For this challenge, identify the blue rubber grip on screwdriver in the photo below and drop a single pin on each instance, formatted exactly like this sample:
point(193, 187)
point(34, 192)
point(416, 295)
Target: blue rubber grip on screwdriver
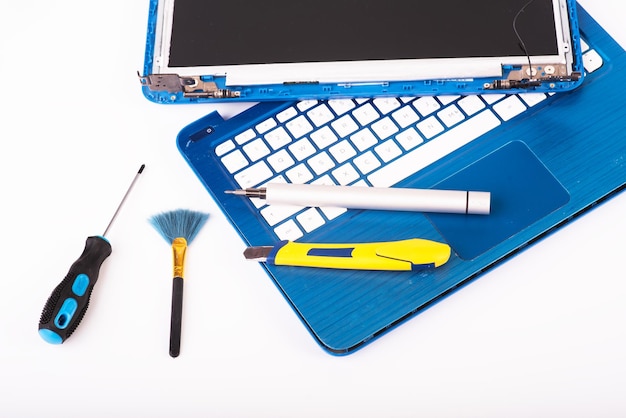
point(69, 301)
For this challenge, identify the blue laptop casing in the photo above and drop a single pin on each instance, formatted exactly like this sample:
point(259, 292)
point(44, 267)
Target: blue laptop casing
point(545, 167)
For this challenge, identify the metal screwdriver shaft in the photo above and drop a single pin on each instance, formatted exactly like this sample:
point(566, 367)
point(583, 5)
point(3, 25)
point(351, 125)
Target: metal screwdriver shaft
point(132, 184)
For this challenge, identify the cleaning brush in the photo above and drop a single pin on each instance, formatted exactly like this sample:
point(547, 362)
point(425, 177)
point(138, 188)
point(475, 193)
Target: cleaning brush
point(179, 228)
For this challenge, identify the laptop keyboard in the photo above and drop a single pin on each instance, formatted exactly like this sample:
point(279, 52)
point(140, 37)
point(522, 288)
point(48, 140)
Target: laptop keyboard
point(362, 142)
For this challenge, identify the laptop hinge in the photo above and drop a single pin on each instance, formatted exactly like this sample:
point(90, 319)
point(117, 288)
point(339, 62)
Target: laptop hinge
point(190, 86)
point(533, 76)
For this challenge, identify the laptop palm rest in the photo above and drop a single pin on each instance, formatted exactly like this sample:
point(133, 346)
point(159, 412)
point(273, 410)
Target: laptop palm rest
point(523, 191)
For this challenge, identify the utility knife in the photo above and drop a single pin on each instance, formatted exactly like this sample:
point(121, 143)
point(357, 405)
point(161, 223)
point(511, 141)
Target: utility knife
point(404, 255)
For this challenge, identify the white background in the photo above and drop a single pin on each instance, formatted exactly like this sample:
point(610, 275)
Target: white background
point(543, 335)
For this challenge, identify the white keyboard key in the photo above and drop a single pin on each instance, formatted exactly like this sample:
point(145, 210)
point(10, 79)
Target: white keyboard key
point(405, 116)
point(365, 114)
point(384, 128)
point(265, 126)
point(324, 180)
point(299, 126)
point(323, 137)
point(388, 150)
point(299, 174)
point(364, 139)
point(310, 219)
point(531, 99)
point(471, 104)
point(386, 104)
point(592, 61)
point(286, 114)
point(253, 175)
point(245, 136)
point(302, 149)
point(492, 98)
point(332, 213)
point(224, 147)
point(509, 107)
point(288, 231)
point(367, 162)
point(345, 174)
point(430, 127)
point(320, 115)
point(342, 151)
point(341, 106)
point(451, 115)
point(344, 126)
point(447, 99)
point(409, 139)
point(426, 105)
point(321, 163)
point(280, 161)
point(275, 214)
point(234, 161)
point(434, 150)
point(306, 104)
point(256, 149)
point(278, 138)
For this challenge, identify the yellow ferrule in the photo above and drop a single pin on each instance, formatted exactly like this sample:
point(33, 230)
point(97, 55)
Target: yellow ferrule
point(179, 248)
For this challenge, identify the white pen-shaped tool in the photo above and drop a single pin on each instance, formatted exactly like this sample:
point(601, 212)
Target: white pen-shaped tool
point(376, 198)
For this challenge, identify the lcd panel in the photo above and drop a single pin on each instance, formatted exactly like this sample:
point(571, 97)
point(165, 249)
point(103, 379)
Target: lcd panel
point(287, 31)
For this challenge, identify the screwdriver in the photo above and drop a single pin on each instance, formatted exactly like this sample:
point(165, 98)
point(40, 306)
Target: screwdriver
point(68, 302)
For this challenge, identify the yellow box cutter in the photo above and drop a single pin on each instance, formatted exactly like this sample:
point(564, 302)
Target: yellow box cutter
point(404, 255)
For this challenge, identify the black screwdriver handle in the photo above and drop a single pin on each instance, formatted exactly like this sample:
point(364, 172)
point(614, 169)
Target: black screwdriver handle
point(69, 301)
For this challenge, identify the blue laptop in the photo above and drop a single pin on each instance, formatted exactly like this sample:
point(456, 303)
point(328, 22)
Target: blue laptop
point(237, 50)
point(546, 158)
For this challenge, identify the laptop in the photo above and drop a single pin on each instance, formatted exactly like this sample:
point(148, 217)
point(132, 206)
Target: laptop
point(546, 159)
point(237, 50)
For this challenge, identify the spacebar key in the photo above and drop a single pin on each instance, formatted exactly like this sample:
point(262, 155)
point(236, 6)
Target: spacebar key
point(434, 150)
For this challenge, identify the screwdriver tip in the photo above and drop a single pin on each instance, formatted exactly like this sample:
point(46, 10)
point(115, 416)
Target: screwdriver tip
point(235, 192)
point(141, 168)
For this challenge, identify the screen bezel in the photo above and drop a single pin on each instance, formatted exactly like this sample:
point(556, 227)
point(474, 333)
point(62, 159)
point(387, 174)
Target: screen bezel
point(360, 71)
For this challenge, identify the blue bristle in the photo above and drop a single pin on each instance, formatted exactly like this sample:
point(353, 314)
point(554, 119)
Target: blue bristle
point(179, 223)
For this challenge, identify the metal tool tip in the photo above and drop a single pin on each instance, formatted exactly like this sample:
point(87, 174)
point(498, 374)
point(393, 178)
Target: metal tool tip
point(235, 192)
point(258, 253)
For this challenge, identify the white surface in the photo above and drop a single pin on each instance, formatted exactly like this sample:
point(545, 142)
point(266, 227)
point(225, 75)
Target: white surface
point(542, 335)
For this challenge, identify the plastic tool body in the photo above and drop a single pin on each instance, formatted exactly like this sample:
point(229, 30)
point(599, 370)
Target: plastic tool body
point(405, 255)
point(69, 301)
point(374, 198)
point(179, 250)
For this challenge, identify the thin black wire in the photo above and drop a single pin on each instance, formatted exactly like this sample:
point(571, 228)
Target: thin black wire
point(519, 38)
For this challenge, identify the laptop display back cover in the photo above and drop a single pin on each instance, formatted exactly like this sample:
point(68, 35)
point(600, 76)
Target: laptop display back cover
point(229, 50)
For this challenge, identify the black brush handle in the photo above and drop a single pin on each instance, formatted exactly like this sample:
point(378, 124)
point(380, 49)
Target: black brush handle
point(68, 302)
point(177, 316)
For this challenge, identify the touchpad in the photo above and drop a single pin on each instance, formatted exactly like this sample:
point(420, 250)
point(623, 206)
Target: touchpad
point(522, 190)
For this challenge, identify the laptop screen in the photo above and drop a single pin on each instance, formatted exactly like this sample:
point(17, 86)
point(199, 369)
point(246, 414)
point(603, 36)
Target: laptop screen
point(287, 31)
point(285, 49)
